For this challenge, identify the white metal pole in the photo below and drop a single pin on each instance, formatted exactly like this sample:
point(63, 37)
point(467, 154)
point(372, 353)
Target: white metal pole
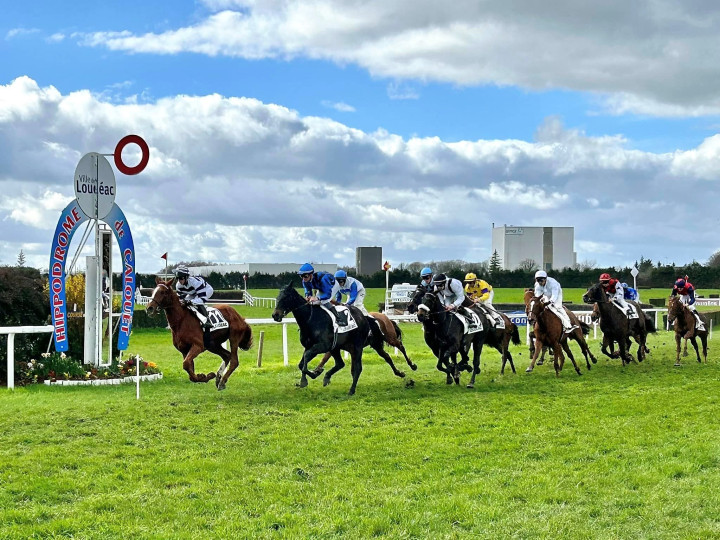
point(137, 382)
point(285, 344)
point(11, 362)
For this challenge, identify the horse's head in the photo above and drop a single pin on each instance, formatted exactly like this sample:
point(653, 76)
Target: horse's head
point(595, 294)
point(416, 299)
point(430, 304)
point(287, 300)
point(163, 296)
point(533, 307)
point(527, 298)
point(675, 307)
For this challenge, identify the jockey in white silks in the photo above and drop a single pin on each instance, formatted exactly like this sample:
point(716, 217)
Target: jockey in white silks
point(450, 292)
point(550, 292)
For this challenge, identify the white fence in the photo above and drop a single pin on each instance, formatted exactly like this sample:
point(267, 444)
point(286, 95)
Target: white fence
point(256, 301)
point(11, 331)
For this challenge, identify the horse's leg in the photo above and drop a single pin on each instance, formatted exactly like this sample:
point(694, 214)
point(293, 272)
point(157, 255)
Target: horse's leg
point(339, 364)
point(378, 348)
point(477, 350)
point(227, 361)
point(678, 347)
point(307, 356)
point(355, 367)
point(703, 340)
point(538, 347)
point(557, 356)
point(443, 361)
point(400, 347)
point(313, 374)
point(685, 353)
point(189, 365)
point(693, 340)
point(566, 347)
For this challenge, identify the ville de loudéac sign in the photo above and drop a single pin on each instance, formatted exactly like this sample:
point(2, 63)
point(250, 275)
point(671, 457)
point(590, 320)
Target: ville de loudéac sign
point(95, 185)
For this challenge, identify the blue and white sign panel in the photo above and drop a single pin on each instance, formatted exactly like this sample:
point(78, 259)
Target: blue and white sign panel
point(518, 318)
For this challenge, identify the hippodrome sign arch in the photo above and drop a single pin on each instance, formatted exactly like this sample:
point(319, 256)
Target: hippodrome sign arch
point(95, 199)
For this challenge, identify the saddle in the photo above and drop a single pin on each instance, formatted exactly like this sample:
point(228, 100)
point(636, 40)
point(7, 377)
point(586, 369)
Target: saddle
point(496, 320)
point(215, 317)
point(351, 322)
point(632, 313)
point(471, 321)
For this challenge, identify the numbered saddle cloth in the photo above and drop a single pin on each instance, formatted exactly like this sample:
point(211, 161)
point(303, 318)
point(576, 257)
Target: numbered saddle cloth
point(351, 323)
point(471, 321)
point(215, 317)
point(632, 313)
point(494, 317)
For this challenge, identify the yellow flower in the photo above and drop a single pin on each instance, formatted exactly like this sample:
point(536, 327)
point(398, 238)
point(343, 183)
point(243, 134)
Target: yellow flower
point(152, 364)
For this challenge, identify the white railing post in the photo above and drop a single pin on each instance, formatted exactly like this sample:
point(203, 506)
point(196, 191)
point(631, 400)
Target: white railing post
point(285, 344)
point(11, 361)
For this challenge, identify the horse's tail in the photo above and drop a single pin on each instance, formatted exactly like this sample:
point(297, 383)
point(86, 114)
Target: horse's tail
point(585, 327)
point(398, 332)
point(515, 336)
point(246, 340)
point(375, 328)
point(649, 324)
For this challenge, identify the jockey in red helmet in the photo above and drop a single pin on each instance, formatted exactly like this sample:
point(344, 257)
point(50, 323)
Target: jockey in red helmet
point(615, 292)
point(686, 291)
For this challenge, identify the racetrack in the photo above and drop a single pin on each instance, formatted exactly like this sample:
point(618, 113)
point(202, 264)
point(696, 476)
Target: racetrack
point(618, 452)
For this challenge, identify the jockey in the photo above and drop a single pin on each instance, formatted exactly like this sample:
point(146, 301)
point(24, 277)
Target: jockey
point(615, 292)
point(686, 291)
point(551, 292)
point(630, 293)
point(426, 280)
point(323, 283)
point(481, 292)
point(194, 290)
point(350, 286)
point(450, 292)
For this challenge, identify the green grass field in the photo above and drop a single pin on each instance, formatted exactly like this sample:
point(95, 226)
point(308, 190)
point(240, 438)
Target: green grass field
point(617, 453)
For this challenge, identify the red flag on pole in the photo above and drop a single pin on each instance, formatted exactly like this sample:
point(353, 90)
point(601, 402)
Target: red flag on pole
point(164, 256)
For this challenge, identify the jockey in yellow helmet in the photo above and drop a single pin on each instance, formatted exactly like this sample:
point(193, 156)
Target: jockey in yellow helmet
point(477, 289)
point(481, 292)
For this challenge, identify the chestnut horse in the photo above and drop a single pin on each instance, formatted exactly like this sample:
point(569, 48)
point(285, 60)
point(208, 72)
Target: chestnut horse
point(684, 323)
point(382, 330)
point(189, 339)
point(548, 331)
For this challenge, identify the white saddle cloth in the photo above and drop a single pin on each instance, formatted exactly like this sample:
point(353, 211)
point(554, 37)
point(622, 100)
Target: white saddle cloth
point(470, 327)
point(351, 325)
point(633, 309)
point(214, 316)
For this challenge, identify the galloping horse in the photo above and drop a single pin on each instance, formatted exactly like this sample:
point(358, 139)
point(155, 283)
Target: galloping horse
point(548, 330)
point(616, 326)
point(189, 339)
point(577, 334)
point(684, 322)
point(382, 330)
point(498, 338)
point(318, 336)
point(450, 337)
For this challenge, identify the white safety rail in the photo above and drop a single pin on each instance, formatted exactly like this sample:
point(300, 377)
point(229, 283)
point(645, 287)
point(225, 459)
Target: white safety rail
point(11, 331)
point(257, 301)
point(285, 324)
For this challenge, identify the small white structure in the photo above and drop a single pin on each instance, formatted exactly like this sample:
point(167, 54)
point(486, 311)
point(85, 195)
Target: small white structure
point(273, 269)
point(399, 297)
point(550, 247)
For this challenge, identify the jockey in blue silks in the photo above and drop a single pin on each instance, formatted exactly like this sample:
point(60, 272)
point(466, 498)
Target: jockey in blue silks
point(323, 283)
point(350, 286)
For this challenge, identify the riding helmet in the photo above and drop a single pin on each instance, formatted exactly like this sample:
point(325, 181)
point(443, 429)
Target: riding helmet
point(341, 274)
point(605, 277)
point(680, 283)
point(182, 272)
point(306, 268)
point(470, 277)
point(440, 279)
point(541, 274)
point(425, 272)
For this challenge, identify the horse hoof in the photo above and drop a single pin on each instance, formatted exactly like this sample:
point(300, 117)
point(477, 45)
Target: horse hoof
point(401, 374)
point(314, 373)
point(539, 363)
point(221, 387)
point(302, 384)
point(326, 381)
point(410, 383)
point(528, 370)
point(469, 385)
point(351, 392)
point(677, 364)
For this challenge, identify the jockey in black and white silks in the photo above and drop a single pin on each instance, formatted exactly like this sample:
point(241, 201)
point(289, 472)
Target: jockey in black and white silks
point(194, 290)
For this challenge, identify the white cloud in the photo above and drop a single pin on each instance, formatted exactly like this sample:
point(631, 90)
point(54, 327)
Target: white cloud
point(338, 106)
point(640, 57)
point(17, 32)
point(235, 179)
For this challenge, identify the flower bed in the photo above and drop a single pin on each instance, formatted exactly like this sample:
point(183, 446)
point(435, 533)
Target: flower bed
point(59, 369)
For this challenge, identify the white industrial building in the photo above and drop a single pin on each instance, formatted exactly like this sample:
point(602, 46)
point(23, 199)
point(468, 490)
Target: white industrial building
point(250, 269)
point(549, 247)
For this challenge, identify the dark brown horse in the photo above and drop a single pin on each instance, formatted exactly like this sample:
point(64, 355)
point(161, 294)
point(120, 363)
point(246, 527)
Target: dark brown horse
point(684, 325)
point(382, 331)
point(616, 326)
point(188, 335)
point(548, 330)
point(539, 344)
point(500, 338)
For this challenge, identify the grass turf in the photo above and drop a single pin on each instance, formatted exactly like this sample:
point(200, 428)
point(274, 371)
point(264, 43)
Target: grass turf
point(616, 453)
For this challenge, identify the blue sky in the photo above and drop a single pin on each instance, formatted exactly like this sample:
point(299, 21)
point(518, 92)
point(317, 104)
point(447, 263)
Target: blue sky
point(411, 122)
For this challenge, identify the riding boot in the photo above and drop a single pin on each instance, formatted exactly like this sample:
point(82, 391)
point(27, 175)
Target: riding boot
point(339, 317)
point(207, 325)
